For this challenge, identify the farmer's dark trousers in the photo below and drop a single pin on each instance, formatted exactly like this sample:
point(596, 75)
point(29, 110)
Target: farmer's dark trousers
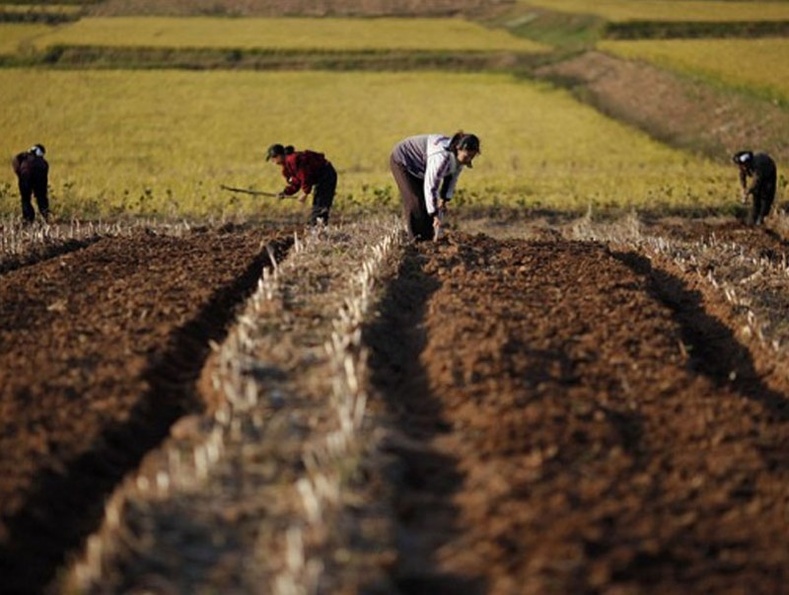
point(419, 222)
point(763, 197)
point(323, 194)
point(28, 187)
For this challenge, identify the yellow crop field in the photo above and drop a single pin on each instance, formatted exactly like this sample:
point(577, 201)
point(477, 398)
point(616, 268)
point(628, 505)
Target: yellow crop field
point(671, 10)
point(761, 64)
point(332, 34)
point(14, 36)
point(162, 142)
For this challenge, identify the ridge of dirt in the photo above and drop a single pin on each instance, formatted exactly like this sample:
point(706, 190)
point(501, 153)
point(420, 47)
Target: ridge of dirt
point(239, 521)
point(11, 263)
point(675, 109)
point(99, 351)
point(573, 446)
point(278, 8)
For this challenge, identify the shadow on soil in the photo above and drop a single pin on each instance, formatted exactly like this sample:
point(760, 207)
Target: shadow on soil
point(423, 480)
point(716, 352)
point(66, 507)
point(12, 263)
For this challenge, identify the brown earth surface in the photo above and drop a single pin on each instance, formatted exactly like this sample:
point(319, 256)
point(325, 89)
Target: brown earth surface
point(581, 420)
point(100, 345)
point(564, 414)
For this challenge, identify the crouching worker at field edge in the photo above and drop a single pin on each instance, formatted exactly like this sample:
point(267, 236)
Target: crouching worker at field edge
point(32, 172)
point(426, 168)
point(761, 169)
point(308, 171)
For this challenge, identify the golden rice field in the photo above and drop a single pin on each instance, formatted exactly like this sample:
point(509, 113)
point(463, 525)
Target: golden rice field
point(671, 10)
point(16, 36)
point(330, 34)
point(760, 64)
point(162, 142)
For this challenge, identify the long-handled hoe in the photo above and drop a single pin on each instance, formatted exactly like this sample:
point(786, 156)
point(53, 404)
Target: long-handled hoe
point(252, 192)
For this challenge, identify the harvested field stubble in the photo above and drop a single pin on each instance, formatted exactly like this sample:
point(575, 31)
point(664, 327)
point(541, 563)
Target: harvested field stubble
point(581, 411)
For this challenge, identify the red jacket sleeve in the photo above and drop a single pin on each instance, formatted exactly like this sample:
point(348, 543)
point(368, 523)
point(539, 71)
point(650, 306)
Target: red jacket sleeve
point(289, 172)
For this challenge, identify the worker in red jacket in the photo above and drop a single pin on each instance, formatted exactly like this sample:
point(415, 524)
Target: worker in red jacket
point(309, 172)
point(32, 172)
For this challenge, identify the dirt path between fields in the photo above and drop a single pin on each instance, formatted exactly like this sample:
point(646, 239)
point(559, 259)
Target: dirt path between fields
point(675, 109)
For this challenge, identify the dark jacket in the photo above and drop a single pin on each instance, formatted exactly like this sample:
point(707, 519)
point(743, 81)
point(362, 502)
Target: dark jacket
point(30, 168)
point(762, 170)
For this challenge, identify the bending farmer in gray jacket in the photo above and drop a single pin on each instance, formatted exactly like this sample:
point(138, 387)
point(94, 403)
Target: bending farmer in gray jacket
point(426, 168)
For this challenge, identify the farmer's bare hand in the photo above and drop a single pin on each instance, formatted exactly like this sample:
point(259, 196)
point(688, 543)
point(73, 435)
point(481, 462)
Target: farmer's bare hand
point(437, 229)
point(303, 198)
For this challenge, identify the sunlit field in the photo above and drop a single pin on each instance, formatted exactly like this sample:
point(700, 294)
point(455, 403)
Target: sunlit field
point(672, 10)
point(163, 142)
point(14, 36)
point(289, 34)
point(758, 64)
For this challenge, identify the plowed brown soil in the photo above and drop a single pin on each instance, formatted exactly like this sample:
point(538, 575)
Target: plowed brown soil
point(570, 416)
point(100, 348)
point(571, 427)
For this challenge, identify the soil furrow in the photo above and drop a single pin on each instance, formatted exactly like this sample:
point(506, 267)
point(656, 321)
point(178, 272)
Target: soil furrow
point(592, 453)
point(552, 415)
point(100, 352)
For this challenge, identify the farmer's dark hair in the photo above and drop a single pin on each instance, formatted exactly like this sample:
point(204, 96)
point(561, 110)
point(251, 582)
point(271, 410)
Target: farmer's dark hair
point(277, 150)
point(461, 140)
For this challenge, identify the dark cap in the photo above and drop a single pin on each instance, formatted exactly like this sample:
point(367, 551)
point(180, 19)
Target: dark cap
point(274, 151)
point(742, 157)
point(38, 149)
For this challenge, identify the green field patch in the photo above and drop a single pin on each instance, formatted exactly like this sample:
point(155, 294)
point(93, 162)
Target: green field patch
point(759, 66)
point(672, 10)
point(328, 34)
point(162, 142)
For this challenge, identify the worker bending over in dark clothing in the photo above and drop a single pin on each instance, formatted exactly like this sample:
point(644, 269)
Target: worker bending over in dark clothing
point(761, 170)
point(32, 172)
